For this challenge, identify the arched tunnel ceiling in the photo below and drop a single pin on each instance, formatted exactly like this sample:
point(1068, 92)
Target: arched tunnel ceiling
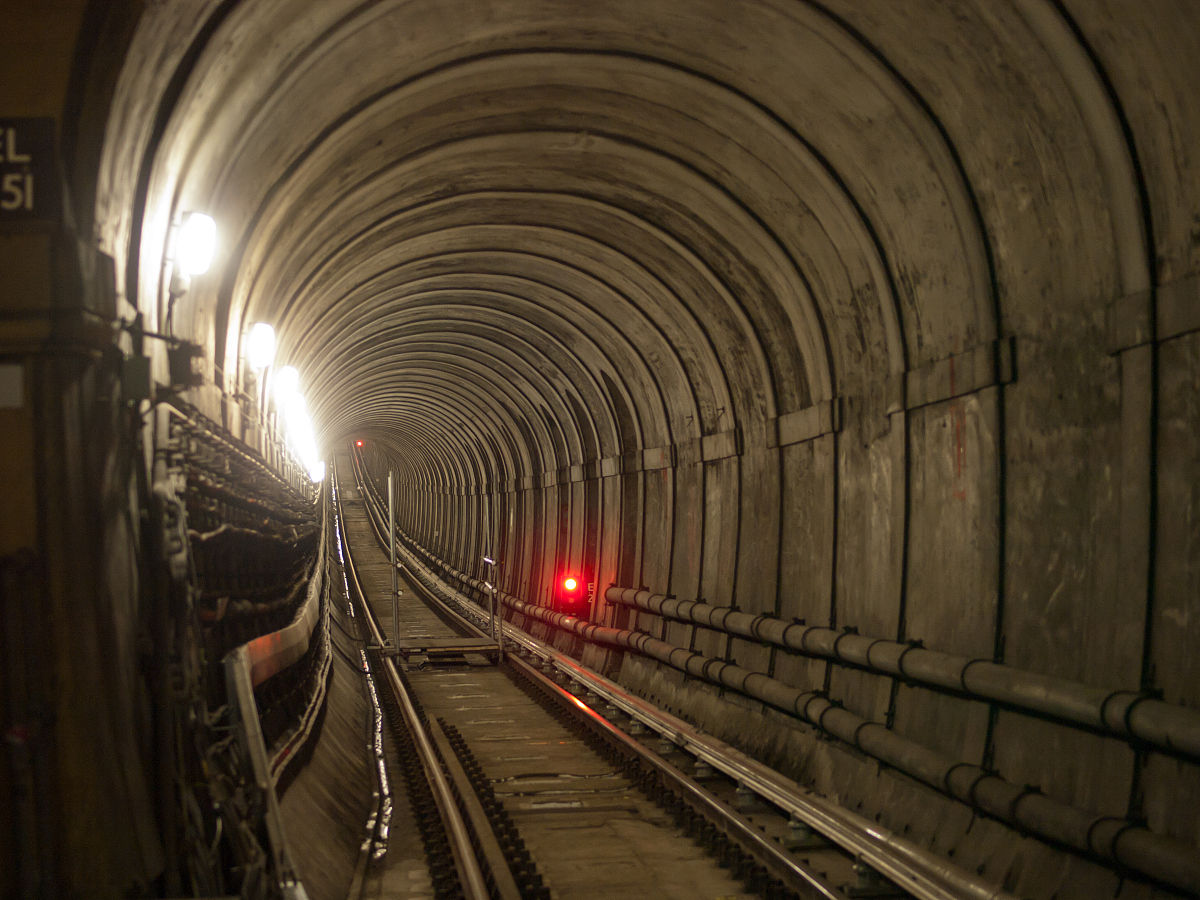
point(677, 289)
point(524, 235)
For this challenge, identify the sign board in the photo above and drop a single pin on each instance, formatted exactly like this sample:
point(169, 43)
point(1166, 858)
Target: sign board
point(29, 189)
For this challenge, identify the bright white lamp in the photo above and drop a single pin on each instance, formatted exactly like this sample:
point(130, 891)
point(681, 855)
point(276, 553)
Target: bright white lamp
point(300, 436)
point(260, 346)
point(195, 244)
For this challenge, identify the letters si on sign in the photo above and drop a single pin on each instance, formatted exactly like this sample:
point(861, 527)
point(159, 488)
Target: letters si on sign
point(28, 170)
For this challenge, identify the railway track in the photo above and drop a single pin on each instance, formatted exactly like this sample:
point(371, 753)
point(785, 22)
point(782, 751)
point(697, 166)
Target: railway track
point(530, 776)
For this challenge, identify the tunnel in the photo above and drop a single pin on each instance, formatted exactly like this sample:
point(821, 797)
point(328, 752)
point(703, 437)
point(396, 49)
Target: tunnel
point(847, 352)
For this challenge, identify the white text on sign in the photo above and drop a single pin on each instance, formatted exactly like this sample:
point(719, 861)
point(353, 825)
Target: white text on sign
point(8, 147)
point(29, 189)
point(16, 188)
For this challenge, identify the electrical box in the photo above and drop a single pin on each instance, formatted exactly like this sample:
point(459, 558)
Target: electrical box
point(135, 378)
point(183, 362)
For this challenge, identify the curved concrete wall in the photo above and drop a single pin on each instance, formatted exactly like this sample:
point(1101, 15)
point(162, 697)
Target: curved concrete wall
point(878, 315)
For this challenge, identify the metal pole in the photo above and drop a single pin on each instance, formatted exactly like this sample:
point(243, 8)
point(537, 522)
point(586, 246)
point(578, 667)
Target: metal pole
point(391, 490)
point(488, 575)
point(493, 526)
point(490, 582)
point(498, 631)
point(491, 575)
point(492, 604)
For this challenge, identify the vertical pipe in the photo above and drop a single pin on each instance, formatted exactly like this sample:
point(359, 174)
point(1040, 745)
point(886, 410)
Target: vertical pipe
point(391, 490)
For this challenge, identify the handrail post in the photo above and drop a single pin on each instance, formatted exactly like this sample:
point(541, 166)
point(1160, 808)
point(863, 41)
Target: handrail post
point(490, 584)
point(391, 490)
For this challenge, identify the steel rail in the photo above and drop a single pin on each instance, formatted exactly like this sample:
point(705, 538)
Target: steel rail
point(766, 852)
point(908, 865)
point(471, 876)
point(372, 504)
point(1127, 843)
point(488, 847)
point(771, 855)
point(901, 861)
point(918, 871)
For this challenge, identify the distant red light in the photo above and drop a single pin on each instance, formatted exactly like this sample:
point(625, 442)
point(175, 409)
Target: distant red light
point(570, 584)
point(358, 443)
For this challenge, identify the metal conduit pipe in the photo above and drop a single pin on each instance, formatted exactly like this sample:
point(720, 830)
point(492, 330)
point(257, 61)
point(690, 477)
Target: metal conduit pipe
point(1115, 839)
point(1120, 713)
point(841, 825)
point(1110, 838)
point(471, 876)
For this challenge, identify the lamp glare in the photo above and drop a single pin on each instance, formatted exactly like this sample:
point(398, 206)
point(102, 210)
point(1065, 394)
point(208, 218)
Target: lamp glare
point(260, 346)
point(196, 244)
point(287, 382)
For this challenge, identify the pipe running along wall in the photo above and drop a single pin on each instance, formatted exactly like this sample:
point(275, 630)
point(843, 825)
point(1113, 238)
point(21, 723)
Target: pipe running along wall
point(1110, 838)
point(1126, 714)
point(1114, 839)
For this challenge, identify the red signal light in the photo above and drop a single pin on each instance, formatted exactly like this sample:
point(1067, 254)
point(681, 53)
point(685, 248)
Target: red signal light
point(358, 443)
point(569, 595)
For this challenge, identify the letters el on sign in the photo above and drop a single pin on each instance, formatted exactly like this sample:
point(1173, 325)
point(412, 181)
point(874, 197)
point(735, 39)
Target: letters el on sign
point(29, 187)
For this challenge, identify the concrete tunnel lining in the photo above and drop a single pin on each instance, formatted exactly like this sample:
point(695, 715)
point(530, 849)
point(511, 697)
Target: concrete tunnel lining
point(543, 284)
point(534, 385)
point(529, 237)
point(837, 311)
point(505, 297)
